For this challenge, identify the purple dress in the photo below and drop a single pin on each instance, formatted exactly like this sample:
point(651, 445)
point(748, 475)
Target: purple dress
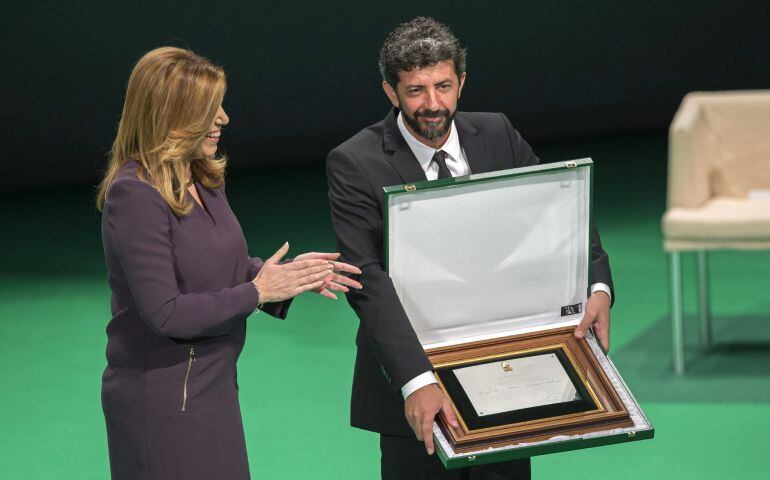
point(181, 292)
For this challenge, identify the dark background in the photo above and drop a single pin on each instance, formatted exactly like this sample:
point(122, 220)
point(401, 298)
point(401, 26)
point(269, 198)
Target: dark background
point(303, 75)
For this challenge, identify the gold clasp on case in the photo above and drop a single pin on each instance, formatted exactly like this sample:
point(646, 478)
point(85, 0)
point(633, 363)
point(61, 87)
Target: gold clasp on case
point(631, 434)
point(410, 188)
point(472, 458)
point(571, 164)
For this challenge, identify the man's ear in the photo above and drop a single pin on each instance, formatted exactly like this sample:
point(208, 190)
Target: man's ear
point(390, 93)
point(462, 82)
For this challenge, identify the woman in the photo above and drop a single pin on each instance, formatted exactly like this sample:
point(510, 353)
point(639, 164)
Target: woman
point(182, 282)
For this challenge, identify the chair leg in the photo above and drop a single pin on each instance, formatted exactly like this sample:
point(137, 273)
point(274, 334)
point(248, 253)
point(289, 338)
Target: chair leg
point(704, 311)
point(677, 321)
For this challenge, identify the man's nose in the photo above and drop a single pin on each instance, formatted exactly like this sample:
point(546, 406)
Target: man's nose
point(432, 102)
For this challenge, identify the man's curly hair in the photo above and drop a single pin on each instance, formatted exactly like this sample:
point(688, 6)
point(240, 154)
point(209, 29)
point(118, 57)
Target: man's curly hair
point(419, 43)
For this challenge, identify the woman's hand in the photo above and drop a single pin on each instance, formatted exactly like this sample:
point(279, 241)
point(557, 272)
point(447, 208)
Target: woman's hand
point(335, 281)
point(276, 282)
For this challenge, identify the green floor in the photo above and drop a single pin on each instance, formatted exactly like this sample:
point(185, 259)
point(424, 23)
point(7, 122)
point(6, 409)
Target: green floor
point(295, 375)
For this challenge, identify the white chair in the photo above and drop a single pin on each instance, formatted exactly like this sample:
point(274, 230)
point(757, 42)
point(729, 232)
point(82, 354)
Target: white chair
point(718, 190)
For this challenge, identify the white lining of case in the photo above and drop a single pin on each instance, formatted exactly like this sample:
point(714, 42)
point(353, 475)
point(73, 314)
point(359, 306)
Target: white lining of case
point(541, 226)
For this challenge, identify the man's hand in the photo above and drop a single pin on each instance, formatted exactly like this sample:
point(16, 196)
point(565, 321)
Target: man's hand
point(421, 408)
point(597, 313)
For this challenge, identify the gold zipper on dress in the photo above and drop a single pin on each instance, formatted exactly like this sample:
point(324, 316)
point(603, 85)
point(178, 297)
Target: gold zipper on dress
point(190, 361)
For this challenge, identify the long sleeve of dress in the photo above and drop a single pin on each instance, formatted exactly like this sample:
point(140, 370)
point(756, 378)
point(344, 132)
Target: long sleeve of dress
point(138, 228)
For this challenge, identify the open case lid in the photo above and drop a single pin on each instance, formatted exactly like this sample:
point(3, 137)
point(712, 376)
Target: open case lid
point(485, 255)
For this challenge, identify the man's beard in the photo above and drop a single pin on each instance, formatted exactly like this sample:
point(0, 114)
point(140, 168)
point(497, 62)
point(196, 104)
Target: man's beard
point(431, 130)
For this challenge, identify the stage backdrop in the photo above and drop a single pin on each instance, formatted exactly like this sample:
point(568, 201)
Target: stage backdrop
point(303, 75)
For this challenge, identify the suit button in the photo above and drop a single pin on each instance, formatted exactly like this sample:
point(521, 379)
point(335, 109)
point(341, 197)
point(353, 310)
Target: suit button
point(385, 373)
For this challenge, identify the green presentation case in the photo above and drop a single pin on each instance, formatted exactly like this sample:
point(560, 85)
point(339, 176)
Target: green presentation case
point(497, 254)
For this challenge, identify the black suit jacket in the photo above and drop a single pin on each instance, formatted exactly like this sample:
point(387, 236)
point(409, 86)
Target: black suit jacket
point(389, 354)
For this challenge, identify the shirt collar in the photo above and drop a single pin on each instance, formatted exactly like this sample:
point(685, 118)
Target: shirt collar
point(424, 153)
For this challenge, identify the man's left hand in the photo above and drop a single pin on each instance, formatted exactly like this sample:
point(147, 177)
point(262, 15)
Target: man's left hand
point(597, 314)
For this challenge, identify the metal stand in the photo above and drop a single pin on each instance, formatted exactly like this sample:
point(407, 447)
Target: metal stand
point(704, 310)
point(677, 321)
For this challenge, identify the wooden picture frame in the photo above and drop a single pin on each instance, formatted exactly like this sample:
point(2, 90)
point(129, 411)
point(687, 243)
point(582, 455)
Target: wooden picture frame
point(609, 411)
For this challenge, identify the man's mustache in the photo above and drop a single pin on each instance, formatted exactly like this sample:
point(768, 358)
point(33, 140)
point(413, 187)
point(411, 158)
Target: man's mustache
point(431, 113)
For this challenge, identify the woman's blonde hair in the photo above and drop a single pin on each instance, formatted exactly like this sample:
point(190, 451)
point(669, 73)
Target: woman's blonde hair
point(172, 98)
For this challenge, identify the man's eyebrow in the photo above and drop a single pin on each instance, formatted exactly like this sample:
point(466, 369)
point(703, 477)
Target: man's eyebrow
point(440, 82)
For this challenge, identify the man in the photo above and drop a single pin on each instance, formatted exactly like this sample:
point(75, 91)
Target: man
point(422, 138)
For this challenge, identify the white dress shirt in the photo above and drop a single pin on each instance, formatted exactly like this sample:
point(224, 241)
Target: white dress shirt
point(457, 163)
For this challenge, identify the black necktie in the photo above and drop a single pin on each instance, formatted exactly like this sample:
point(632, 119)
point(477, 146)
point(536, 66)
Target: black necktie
point(440, 159)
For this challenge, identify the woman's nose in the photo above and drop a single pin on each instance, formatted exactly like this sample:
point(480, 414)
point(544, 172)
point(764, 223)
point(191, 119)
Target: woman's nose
point(222, 118)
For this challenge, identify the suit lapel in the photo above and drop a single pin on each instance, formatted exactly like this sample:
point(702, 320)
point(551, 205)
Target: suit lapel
point(473, 145)
point(401, 156)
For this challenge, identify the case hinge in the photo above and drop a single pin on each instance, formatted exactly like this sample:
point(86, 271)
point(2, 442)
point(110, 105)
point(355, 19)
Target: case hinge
point(571, 164)
point(410, 188)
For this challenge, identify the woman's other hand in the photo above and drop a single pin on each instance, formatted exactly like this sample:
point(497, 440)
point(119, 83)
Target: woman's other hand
point(276, 282)
point(335, 281)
